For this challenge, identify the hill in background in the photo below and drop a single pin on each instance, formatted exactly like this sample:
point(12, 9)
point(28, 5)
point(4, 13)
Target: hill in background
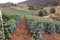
point(42, 2)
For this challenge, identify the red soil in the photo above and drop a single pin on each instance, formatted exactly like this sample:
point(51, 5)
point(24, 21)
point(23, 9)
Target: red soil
point(55, 36)
point(56, 18)
point(21, 32)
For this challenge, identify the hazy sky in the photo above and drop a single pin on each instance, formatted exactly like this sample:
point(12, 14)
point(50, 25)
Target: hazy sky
point(14, 1)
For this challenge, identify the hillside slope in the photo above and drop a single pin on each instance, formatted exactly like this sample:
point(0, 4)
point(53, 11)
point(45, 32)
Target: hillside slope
point(42, 2)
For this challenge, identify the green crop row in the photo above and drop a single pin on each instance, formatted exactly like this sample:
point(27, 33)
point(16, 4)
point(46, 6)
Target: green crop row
point(12, 18)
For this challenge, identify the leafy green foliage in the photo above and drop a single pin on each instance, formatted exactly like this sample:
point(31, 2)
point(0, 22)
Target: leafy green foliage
point(43, 13)
point(52, 10)
point(1, 34)
point(13, 17)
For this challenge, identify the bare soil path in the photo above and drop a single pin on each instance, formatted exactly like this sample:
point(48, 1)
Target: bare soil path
point(21, 32)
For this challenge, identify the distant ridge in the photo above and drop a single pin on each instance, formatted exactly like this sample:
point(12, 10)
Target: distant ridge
point(41, 2)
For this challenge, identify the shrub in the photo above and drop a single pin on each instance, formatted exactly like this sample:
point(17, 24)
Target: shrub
point(43, 13)
point(52, 10)
point(31, 7)
point(40, 13)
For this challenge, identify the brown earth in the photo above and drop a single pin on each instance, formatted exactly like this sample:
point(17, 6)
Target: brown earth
point(21, 32)
point(56, 18)
point(55, 36)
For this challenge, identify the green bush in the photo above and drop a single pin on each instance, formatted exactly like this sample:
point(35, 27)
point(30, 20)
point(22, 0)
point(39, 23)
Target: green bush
point(1, 34)
point(43, 13)
point(52, 10)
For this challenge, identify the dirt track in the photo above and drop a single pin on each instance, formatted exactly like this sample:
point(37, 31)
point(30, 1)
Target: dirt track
point(21, 32)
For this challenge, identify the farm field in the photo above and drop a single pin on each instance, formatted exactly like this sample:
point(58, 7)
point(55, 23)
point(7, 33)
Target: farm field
point(40, 28)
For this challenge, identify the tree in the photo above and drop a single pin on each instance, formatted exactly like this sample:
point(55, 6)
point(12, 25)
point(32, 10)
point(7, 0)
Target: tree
point(40, 13)
point(31, 7)
point(52, 10)
point(54, 3)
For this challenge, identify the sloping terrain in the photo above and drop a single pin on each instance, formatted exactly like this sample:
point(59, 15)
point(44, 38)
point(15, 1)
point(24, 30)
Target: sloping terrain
point(34, 24)
point(42, 2)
